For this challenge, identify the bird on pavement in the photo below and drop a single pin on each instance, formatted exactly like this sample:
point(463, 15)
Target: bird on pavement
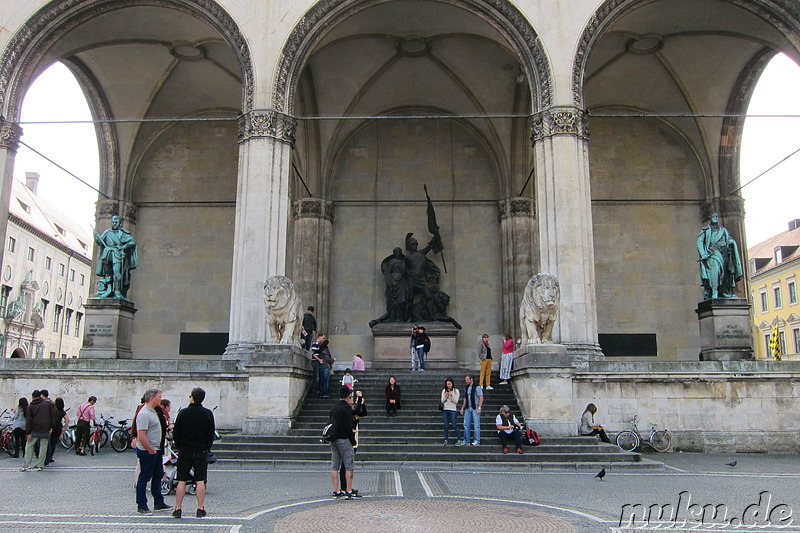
point(601, 474)
point(731, 464)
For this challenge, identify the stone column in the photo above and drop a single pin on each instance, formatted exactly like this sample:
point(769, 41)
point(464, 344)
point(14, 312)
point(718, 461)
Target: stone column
point(262, 217)
point(10, 133)
point(563, 198)
point(520, 248)
point(313, 230)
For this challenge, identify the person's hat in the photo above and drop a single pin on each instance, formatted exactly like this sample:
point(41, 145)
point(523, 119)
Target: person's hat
point(344, 392)
point(311, 308)
point(422, 328)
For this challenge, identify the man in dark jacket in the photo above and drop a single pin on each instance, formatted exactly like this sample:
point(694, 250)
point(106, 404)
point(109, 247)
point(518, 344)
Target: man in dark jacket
point(309, 327)
point(342, 443)
point(39, 422)
point(193, 435)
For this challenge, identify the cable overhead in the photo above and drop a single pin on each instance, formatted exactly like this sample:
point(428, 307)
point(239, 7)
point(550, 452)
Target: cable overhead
point(40, 154)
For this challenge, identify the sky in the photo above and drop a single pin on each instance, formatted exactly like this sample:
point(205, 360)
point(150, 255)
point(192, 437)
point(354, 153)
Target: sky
point(770, 202)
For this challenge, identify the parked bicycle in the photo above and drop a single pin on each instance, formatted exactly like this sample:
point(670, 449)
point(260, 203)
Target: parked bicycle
point(120, 436)
point(630, 439)
point(6, 433)
point(99, 436)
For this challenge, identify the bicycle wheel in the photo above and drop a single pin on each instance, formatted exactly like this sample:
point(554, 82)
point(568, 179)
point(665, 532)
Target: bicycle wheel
point(167, 485)
point(66, 440)
point(8, 442)
point(661, 440)
point(119, 440)
point(102, 440)
point(628, 440)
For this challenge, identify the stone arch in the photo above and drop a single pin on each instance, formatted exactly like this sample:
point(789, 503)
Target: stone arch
point(18, 353)
point(325, 14)
point(20, 59)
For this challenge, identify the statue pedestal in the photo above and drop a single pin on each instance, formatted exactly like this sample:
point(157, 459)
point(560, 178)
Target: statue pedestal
point(392, 347)
point(108, 329)
point(542, 377)
point(725, 329)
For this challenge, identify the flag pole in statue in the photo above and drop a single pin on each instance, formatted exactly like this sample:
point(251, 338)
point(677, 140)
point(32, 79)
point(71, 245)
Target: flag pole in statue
point(433, 228)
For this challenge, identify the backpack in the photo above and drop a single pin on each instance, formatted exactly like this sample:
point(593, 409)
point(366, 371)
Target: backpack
point(531, 437)
point(328, 432)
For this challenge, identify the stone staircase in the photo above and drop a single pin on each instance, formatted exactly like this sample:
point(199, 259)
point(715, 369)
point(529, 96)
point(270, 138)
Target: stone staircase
point(415, 434)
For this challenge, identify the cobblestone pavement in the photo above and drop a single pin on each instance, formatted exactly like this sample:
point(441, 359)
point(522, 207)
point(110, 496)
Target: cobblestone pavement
point(91, 494)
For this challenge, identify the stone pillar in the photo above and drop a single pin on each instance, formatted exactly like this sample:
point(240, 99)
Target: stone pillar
point(520, 250)
point(542, 378)
point(313, 230)
point(262, 217)
point(108, 329)
point(10, 133)
point(563, 199)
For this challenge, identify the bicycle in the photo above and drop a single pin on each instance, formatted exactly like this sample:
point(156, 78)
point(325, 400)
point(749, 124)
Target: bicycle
point(630, 439)
point(6, 434)
point(121, 436)
point(99, 436)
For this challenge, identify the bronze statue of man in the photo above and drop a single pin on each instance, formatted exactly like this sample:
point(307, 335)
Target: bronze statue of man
point(118, 258)
point(720, 265)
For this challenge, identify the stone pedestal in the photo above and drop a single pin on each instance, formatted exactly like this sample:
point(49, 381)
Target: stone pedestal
point(108, 329)
point(393, 345)
point(725, 329)
point(542, 379)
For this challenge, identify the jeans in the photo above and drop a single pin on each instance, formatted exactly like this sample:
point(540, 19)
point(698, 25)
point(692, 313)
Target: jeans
point(450, 417)
point(152, 470)
point(51, 448)
point(421, 356)
point(315, 376)
point(324, 380)
point(472, 418)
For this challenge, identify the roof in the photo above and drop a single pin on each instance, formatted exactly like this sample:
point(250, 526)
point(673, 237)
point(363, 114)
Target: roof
point(763, 253)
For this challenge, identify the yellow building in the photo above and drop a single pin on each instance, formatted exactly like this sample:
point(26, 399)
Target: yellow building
point(775, 274)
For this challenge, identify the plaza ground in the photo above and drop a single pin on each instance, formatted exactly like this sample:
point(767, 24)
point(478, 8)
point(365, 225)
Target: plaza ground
point(78, 494)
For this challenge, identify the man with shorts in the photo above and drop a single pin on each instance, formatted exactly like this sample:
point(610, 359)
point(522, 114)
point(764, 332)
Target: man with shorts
point(193, 436)
point(342, 444)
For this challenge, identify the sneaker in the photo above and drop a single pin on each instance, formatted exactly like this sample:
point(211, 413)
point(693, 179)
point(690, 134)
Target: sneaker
point(519, 451)
point(504, 383)
point(352, 494)
point(355, 491)
point(490, 388)
point(144, 510)
point(459, 443)
point(446, 443)
point(176, 513)
point(422, 370)
point(24, 469)
point(161, 507)
point(339, 494)
point(473, 443)
point(38, 469)
point(505, 450)
point(201, 513)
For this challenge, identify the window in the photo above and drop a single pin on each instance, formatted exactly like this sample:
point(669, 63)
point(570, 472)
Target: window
point(764, 306)
point(78, 318)
point(792, 289)
point(778, 300)
point(83, 280)
point(45, 303)
point(782, 339)
point(52, 355)
point(767, 347)
point(61, 230)
point(796, 339)
point(48, 263)
point(31, 253)
point(72, 274)
point(67, 318)
point(25, 207)
point(61, 269)
point(5, 291)
point(57, 318)
point(83, 244)
point(12, 244)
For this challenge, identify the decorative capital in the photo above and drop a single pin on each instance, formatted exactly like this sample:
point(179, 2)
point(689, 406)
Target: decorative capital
point(10, 132)
point(110, 208)
point(517, 206)
point(563, 120)
point(313, 208)
point(267, 123)
point(724, 206)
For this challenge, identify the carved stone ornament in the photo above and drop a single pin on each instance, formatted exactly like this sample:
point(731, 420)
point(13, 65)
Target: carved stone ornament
point(313, 208)
point(284, 310)
point(518, 206)
point(559, 121)
point(9, 135)
point(267, 123)
point(325, 14)
point(25, 49)
point(110, 208)
point(537, 313)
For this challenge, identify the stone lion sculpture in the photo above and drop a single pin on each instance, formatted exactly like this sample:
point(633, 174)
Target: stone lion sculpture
point(537, 314)
point(283, 310)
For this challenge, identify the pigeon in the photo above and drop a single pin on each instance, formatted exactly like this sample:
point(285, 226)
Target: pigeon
point(731, 464)
point(601, 474)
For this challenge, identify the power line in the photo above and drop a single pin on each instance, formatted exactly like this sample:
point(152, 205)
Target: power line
point(40, 154)
point(770, 168)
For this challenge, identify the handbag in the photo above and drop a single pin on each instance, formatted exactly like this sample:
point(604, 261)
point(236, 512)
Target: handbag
point(441, 406)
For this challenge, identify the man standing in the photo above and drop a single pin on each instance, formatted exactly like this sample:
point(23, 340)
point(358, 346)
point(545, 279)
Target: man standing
point(342, 443)
point(150, 433)
point(193, 435)
point(39, 422)
point(82, 428)
point(413, 346)
point(485, 356)
point(316, 363)
point(471, 410)
point(422, 345)
point(309, 327)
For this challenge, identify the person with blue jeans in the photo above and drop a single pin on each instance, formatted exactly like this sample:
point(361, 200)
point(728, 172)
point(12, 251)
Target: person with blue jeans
point(324, 368)
point(471, 409)
point(150, 430)
point(449, 399)
point(422, 345)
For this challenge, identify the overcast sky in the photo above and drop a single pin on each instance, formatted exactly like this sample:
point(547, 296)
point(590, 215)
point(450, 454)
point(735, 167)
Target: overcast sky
point(770, 202)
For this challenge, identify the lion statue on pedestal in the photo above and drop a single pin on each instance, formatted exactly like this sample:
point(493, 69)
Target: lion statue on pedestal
point(284, 310)
point(537, 314)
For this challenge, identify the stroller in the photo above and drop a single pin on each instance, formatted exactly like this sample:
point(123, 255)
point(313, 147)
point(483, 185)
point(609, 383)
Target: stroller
point(169, 483)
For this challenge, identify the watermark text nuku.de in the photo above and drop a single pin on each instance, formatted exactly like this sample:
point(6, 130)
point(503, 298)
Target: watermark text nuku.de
point(687, 515)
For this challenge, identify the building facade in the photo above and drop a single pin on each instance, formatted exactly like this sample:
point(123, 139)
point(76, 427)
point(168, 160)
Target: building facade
point(241, 139)
point(775, 268)
point(46, 272)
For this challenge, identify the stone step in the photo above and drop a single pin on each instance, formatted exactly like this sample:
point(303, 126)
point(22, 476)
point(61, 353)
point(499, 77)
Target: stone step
point(433, 447)
point(393, 435)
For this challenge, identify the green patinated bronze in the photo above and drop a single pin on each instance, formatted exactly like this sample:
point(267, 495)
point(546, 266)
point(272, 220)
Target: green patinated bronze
point(118, 258)
point(720, 265)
